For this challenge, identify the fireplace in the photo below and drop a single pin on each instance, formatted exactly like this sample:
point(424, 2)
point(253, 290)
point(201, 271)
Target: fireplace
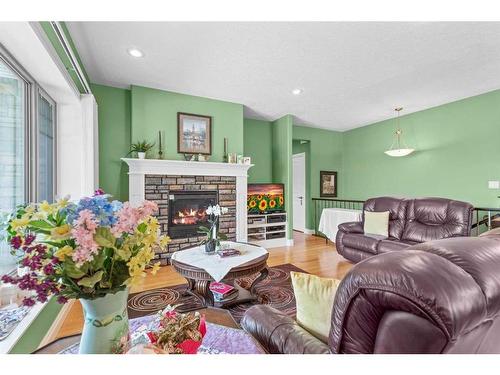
point(187, 212)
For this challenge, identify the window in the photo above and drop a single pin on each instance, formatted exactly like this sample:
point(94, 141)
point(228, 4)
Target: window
point(27, 145)
point(13, 126)
point(46, 148)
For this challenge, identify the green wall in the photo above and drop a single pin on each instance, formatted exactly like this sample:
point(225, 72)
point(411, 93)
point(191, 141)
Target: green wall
point(282, 160)
point(258, 144)
point(156, 110)
point(326, 148)
point(114, 138)
point(457, 152)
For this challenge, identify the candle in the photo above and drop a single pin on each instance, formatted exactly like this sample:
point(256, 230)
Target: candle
point(225, 151)
point(160, 153)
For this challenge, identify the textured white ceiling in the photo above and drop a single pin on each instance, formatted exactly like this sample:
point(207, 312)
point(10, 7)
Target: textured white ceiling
point(352, 73)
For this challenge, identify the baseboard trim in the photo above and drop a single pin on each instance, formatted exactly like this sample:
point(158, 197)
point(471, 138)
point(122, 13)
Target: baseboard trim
point(309, 231)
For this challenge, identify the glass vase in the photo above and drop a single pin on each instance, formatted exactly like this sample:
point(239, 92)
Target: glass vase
point(210, 246)
point(105, 330)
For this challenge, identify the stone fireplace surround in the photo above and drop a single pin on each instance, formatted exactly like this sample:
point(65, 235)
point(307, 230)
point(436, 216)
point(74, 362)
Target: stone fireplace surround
point(155, 180)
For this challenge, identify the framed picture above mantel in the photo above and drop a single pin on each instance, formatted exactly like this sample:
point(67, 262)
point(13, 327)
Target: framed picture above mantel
point(194, 134)
point(328, 184)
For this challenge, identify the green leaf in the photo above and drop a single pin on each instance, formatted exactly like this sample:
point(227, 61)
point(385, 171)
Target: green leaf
point(54, 244)
point(222, 236)
point(104, 238)
point(120, 274)
point(98, 261)
point(71, 270)
point(142, 227)
point(90, 281)
point(41, 224)
point(124, 254)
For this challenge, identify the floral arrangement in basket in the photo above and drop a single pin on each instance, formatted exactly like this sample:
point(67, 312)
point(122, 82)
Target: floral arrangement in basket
point(85, 249)
point(174, 333)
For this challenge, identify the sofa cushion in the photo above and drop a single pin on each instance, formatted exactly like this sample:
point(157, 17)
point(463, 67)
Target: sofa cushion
point(397, 212)
point(388, 245)
point(431, 219)
point(361, 242)
point(376, 223)
point(314, 298)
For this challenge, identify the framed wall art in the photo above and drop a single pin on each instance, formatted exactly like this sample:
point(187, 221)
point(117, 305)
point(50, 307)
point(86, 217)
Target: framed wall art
point(194, 134)
point(328, 184)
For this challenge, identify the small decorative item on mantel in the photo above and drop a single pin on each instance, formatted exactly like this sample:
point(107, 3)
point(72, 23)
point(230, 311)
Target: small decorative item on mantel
point(213, 237)
point(202, 157)
point(232, 158)
point(92, 250)
point(224, 158)
point(172, 333)
point(160, 151)
point(141, 148)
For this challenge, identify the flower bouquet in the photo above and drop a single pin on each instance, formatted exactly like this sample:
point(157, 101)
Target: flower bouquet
point(174, 333)
point(212, 241)
point(92, 250)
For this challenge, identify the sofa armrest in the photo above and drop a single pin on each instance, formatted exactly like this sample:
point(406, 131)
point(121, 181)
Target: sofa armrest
point(352, 227)
point(278, 333)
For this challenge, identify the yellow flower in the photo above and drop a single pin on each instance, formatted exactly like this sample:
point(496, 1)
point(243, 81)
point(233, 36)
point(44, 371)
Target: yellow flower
point(63, 202)
point(155, 268)
point(47, 208)
point(164, 241)
point(63, 252)
point(61, 233)
point(39, 216)
point(19, 223)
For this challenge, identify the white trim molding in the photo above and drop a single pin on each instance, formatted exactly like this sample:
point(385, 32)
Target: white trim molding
point(139, 168)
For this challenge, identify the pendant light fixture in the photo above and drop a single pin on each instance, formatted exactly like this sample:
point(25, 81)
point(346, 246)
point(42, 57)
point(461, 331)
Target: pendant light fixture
point(398, 146)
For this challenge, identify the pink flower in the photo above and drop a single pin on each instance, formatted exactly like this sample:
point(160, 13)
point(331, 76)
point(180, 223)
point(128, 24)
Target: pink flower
point(129, 217)
point(83, 232)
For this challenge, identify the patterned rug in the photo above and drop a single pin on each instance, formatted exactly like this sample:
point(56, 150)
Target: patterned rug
point(276, 290)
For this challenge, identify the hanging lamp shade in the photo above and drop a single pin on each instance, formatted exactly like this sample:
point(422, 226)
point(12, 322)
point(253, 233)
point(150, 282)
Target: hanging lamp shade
point(398, 147)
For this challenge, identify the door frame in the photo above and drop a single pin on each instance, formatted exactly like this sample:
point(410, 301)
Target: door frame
point(303, 156)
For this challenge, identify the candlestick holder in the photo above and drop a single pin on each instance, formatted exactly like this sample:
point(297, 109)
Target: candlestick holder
point(225, 156)
point(160, 152)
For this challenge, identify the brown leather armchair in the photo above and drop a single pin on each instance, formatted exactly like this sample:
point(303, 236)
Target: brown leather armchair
point(411, 221)
point(436, 297)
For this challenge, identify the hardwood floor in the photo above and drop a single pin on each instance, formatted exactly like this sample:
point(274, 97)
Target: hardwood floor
point(310, 253)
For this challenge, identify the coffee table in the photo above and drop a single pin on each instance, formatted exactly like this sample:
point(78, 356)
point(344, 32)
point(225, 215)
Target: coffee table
point(213, 315)
point(199, 280)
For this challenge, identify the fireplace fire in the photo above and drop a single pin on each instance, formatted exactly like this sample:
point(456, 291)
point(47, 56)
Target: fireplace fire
point(187, 212)
point(189, 216)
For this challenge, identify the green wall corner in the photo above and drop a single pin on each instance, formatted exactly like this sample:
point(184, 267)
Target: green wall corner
point(282, 161)
point(258, 144)
point(114, 138)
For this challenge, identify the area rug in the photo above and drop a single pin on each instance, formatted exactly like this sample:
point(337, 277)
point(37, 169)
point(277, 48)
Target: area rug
point(275, 290)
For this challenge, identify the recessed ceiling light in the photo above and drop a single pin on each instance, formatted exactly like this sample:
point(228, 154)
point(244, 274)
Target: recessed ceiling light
point(297, 91)
point(134, 52)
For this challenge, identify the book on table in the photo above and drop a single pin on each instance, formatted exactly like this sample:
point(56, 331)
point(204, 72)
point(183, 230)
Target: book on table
point(222, 291)
point(228, 252)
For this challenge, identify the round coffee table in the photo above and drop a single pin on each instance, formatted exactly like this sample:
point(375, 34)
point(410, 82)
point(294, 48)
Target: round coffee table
point(199, 280)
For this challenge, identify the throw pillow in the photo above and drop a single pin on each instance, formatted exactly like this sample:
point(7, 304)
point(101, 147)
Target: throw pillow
point(376, 223)
point(314, 298)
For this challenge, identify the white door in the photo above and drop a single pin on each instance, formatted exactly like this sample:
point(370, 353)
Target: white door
point(299, 192)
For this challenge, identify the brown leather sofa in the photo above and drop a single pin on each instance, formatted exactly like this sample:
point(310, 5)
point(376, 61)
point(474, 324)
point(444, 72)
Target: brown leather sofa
point(436, 297)
point(411, 221)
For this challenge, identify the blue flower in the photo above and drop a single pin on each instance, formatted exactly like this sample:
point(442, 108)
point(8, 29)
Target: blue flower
point(103, 210)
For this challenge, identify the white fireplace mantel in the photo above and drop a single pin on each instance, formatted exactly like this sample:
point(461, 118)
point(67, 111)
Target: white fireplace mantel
point(139, 168)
